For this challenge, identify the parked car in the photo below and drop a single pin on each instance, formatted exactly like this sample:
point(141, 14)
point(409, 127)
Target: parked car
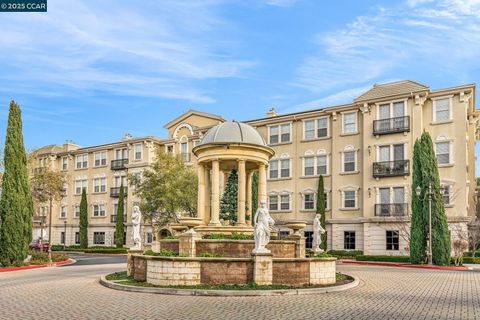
point(35, 244)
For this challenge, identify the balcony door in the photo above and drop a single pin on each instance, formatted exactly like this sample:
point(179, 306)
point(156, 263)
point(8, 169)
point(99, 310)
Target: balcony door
point(121, 154)
point(384, 114)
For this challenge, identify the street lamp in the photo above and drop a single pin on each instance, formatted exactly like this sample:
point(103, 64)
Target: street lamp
point(429, 193)
point(64, 233)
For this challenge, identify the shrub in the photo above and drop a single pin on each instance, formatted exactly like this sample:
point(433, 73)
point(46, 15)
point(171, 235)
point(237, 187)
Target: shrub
point(215, 236)
point(471, 260)
point(162, 253)
point(39, 257)
point(241, 236)
point(105, 250)
point(323, 255)
point(404, 259)
point(210, 255)
point(170, 238)
point(346, 253)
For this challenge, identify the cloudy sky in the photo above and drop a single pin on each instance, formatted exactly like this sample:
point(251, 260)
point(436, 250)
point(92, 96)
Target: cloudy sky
point(91, 71)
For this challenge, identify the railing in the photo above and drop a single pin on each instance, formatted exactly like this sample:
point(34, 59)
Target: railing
point(115, 192)
point(391, 209)
point(37, 219)
point(119, 164)
point(39, 170)
point(113, 218)
point(391, 125)
point(391, 168)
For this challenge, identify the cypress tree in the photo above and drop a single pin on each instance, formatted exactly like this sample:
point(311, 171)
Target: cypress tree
point(84, 220)
point(321, 211)
point(119, 229)
point(419, 220)
point(16, 204)
point(254, 195)
point(441, 245)
point(228, 204)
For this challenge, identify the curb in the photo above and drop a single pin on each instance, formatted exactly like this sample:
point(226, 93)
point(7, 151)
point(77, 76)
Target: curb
point(228, 293)
point(403, 265)
point(60, 263)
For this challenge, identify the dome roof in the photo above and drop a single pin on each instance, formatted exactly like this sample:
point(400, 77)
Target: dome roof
point(233, 132)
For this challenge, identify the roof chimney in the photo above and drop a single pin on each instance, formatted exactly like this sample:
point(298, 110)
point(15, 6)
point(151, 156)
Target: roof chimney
point(70, 145)
point(272, 112)
point(127, 136)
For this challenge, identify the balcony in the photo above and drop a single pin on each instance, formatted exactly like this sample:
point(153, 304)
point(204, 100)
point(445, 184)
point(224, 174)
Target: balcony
point(391, 125)
point(391, 168)
point(120, 164)
point(39, 219)
point(113, 218)
point(391, 210)
point(39, 170)
point(115, 192)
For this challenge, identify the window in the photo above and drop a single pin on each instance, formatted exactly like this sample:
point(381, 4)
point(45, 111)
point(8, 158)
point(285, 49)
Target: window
point(309, 168)
point(99, 210)
point(119, 180)
point(185, 154)
point(99, 238)
point(170, 149)
point(80, 185)
point(284, 169)
point(63, 212)
point(100, 159)
point(273, 200)
point(393, 240)
point(115, 209)
point(283, 234)
point(62, 237)
point(65, 189)
point(321, 165)
point(138, 151)
point(99, 185)
point(285, 202)
point(349, 240)
point(349, 199)
point(350, 122)
point(77, 211)
point(308, 239)
point(121, 154)
point(149, 237)
point(327, 203)
point(77, 237)
point(65, 163)
point(314, 129)
point(81, 161)
point(446, 195)
point(441, 109)
point(309, 201)
point(124, 238)
point(443, 152)
point(349, 161)
point(279, 133)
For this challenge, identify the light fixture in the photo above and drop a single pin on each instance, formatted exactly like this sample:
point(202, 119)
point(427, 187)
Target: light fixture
point(418, 190)
point(369, 192)
point(369, 150)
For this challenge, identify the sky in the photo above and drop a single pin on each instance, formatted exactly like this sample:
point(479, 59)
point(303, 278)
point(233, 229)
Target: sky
point(92, 71)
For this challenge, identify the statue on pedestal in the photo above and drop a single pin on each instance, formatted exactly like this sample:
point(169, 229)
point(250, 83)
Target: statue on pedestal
point(136, 220)
point(263, 221)
point(317, 232)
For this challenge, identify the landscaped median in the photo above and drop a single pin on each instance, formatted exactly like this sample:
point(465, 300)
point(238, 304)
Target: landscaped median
point(100, 250)
point(120, 281)
point(39, 260)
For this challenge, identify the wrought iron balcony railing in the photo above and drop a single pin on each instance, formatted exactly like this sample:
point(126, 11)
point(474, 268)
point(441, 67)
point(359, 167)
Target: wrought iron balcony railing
point(391, 210)
point(391, 125)
point(391, 168)
point(113, 218)
point(119, 164)
point(115, 192)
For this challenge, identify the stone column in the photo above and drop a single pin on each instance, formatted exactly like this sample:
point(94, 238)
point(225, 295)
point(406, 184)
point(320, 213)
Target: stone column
point(206, 218)
point(262, 268)
point(262, 183)
point(249, 198)
point(215, 210)
point(201, 192)
point(241, 193)
point(186, 243)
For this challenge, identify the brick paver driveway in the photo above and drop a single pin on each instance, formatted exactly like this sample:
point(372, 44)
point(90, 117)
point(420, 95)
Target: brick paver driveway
point(384, 293)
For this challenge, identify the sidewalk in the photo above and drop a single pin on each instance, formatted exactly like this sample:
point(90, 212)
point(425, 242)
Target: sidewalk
point(61, 263)
point(407, 265)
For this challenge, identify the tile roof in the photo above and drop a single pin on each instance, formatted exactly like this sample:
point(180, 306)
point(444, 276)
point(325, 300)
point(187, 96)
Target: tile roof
point(392, 89)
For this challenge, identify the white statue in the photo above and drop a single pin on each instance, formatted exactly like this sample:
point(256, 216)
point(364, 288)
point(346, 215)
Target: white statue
point(263, 221)
point(136, 220)
point(317, 232)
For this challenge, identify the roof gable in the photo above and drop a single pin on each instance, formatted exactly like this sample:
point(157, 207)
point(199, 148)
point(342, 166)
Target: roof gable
point(392, 89)
point(189, 113)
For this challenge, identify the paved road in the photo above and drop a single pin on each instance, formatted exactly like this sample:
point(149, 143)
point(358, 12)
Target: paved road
point(94, 259)
point(384, 293)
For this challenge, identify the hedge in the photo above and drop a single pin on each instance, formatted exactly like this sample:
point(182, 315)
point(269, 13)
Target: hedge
point(405, 259)
point(471, 260)
point(90, 249)
point(345, 253)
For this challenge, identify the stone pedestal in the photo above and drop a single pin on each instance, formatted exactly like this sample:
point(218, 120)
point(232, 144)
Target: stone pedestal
point(186, 247)
point(299, 245)
point(130, 262)
point(262, 268)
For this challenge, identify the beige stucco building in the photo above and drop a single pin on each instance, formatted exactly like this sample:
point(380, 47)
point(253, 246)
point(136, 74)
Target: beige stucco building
point(363, 150)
